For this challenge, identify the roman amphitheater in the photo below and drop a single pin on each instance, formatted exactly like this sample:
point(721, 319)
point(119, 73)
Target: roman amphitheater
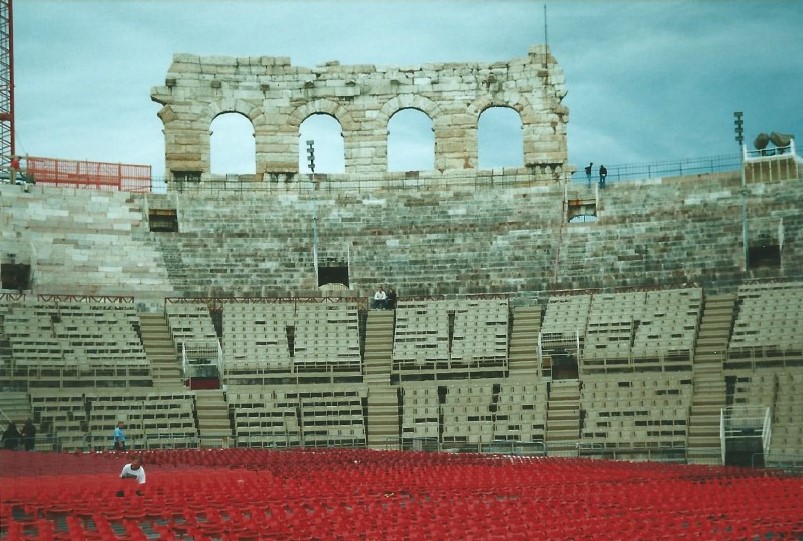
point(658, 321)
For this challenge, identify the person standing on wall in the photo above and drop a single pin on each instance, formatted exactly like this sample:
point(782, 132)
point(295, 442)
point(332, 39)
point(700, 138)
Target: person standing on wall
point(603, 174)
point(588, 173)
point(119, 436)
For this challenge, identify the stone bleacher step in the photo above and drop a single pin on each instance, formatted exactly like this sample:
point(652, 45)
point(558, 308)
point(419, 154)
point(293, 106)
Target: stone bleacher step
point(160, 350)
point(213, 415)
point(382, 421)
point(708, 442)
point(562, 433)
point(14, 405)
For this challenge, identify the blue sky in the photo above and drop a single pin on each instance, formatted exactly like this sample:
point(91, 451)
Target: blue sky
point(647, 81)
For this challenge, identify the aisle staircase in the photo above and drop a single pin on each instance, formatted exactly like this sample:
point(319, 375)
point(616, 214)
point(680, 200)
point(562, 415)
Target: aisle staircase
point(14, 406)
point(523, 359)
point(214, 427)
point(382, 425)
point(563, 418)
point(708, 398)
point(160, 351)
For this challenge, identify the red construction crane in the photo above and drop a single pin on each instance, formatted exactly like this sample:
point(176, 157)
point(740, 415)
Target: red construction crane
point(6, 82)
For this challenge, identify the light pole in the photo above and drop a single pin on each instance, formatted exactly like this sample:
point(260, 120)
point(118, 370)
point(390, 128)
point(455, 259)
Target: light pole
point(311, 165)
point(738, 124)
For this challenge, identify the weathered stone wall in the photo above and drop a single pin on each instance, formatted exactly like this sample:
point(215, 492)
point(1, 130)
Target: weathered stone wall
point(277, 97)
point(480, 238)
point(468, 237)
point(476, 234)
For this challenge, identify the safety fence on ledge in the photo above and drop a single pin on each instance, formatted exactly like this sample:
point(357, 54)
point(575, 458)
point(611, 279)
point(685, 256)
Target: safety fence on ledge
point(138, 178)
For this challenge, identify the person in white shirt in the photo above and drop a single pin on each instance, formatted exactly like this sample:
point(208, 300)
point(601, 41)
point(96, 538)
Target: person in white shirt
point(134, 470)
point(380, 298)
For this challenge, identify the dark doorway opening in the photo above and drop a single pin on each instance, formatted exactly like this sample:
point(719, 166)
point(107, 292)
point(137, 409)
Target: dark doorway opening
point(564, 365)
point(333, 275)
point(16, 276)
point(765, 255)
point(163, 220)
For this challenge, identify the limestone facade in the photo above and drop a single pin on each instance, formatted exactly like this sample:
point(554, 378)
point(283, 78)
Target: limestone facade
point(277, 97)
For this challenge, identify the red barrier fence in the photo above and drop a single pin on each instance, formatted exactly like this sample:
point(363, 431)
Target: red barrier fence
point(92, 175)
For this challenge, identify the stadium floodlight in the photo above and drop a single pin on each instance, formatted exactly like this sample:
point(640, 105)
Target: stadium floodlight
point(311, 164)
point(311, 155)
point(738, 124)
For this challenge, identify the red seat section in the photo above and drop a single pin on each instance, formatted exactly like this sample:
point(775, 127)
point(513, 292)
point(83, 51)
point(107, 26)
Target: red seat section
point(254, 494)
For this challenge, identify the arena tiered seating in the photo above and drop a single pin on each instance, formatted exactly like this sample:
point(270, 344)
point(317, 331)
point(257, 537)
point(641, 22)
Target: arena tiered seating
point(189, 321)
point(256, 338)
point(521, 412)
point(667, 328)
point(326, 338)
point(450, 336)
point(473, 415)
point(314, 417)
point(782, 393)
point(467, 414)
point(62, 412)
point(767, 329)
point(625, 332)
point(636, 411)
point(566, 315)
point(264, 418)
point(84, 419)
point(420, 414)
point(787, 430)
point(290, 338)
point(65, 343)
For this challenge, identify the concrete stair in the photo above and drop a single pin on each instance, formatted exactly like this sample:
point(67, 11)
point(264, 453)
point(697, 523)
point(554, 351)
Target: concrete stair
point(214, 426)
point(382, 424)
point(708, 398)
point(563, 417)
point(160, 351)
point(523, 360)
point(14, 406)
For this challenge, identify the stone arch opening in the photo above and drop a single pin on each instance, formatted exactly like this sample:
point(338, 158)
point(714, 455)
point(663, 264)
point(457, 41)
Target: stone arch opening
point(325, 130)
point(411, 141)
point(499, 138)
point(232, 144)
point(277, 96)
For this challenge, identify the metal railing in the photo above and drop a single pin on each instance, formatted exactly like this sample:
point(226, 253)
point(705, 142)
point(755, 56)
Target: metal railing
point(660, 169)
point(777, 461)
point(136, 178)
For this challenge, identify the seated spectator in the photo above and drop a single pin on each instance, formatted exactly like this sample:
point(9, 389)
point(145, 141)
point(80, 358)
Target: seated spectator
point(134, 470)
point(380, 299)
point(391, 300)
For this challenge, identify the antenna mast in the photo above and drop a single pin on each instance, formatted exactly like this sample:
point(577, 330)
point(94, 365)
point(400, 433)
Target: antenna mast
point(546, 38)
